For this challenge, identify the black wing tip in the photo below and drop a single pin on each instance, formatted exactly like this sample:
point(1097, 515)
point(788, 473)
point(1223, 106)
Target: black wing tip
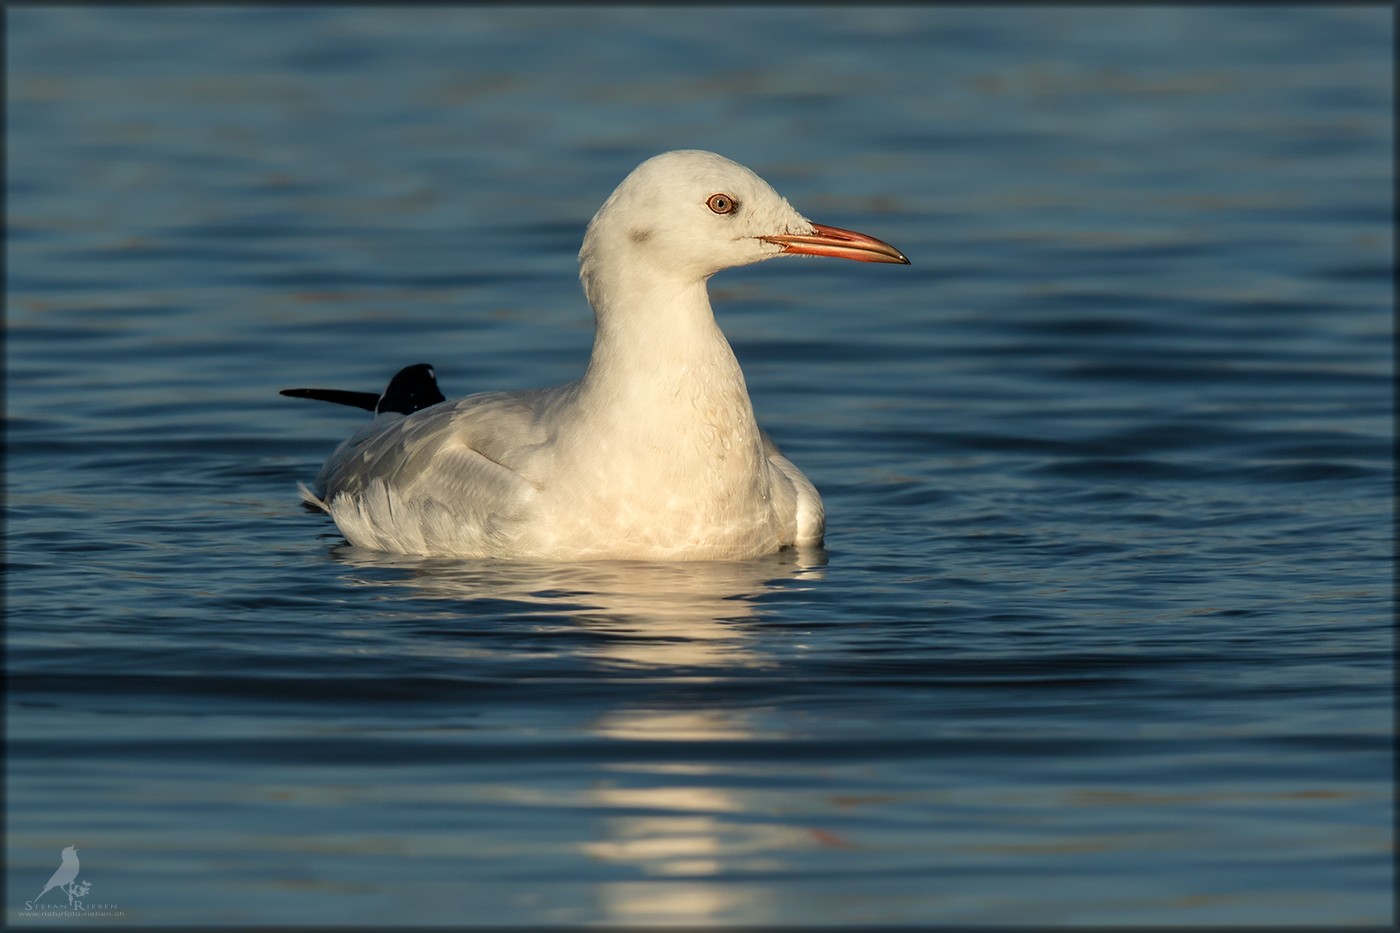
point(365, 400)
point(413, 388)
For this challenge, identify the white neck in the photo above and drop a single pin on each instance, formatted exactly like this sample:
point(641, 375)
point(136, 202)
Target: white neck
point(663, 400)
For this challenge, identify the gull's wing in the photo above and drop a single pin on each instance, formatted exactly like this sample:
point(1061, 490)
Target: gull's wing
point(446, 479)
point(809, 513)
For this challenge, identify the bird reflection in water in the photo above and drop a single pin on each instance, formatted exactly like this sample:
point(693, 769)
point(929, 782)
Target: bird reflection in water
point(672, 820)
point(649, 614)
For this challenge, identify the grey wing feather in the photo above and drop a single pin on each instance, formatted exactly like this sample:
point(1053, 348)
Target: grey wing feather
point(418, 484)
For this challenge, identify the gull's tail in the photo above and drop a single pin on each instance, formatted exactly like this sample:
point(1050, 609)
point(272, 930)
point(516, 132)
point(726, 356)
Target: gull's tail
point(310, 498)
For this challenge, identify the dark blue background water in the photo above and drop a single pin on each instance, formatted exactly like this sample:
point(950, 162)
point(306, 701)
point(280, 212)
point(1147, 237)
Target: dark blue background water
point(1101, 633)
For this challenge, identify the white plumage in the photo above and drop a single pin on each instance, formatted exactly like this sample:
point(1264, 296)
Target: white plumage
point(654, 453)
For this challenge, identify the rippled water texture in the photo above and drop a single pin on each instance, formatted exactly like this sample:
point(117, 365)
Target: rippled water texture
point(1102, 629)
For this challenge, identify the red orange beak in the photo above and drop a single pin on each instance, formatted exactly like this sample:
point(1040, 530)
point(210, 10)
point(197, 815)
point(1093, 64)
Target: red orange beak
point(844, 244)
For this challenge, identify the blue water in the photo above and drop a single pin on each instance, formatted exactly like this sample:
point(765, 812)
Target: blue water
point(1101, 633)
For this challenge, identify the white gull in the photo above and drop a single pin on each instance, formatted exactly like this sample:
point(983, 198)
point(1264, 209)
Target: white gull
point(654, 454)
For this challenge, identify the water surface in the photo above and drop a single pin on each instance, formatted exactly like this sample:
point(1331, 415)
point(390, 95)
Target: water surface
point(1101, 633)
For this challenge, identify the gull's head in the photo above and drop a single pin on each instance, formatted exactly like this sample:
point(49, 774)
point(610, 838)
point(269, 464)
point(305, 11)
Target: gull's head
point(685, 215)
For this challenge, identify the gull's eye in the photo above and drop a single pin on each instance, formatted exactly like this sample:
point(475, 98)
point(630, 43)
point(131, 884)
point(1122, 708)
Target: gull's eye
point(721, 203)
